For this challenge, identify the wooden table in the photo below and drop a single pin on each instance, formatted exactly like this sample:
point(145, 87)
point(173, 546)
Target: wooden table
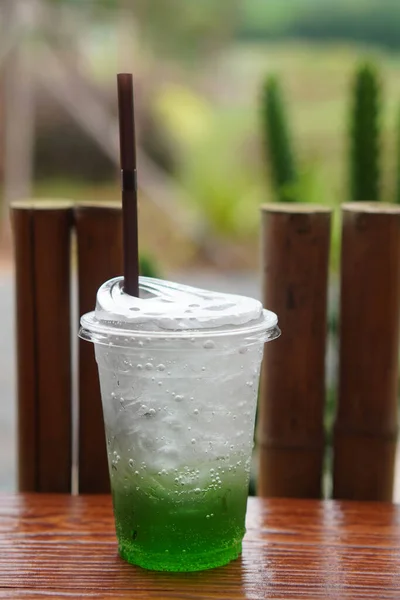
point(55, 546)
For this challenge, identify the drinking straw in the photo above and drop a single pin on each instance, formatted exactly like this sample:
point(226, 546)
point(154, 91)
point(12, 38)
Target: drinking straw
point(128, 183)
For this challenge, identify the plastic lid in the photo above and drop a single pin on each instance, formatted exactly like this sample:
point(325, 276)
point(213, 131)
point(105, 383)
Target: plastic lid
point(169, 308)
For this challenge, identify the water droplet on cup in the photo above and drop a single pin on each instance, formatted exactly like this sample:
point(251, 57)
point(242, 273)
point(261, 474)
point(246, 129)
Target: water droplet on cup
point(148, 366)
point(160, 367)
point(179, 398)
point(139, 367)
point(209, 345)
point(193, 441)
point(196, 411)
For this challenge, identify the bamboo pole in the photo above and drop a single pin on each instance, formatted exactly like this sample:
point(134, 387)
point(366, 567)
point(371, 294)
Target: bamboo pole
point(99, 237)
point(365, 431)
point(295, 254)
point(42, 263)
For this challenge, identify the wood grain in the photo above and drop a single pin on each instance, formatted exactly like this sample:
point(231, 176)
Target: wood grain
point(42, 243)
point(366, 425)
point(25, 336)
point(55, 546)
point(99, 237)
point(295, 255)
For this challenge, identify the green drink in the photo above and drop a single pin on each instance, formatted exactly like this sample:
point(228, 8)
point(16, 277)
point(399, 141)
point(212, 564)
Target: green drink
point(169, 528)
point(179, 371)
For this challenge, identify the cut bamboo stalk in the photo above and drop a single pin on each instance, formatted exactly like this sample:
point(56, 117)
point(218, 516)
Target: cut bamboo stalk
point(99, 237)
point(295, 255)
point(365, 430)
point(42, 258)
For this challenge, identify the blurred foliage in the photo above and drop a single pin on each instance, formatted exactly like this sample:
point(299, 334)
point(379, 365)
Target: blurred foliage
point(277, 139)
point(217, 163)
point(398, 159)
point(148, 266)
point(373, 22)
point(365, 21)
point(365, 134)
point(169, 29)
point(182, 29)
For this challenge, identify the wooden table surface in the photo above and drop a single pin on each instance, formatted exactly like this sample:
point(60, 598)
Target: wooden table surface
point(55, 546)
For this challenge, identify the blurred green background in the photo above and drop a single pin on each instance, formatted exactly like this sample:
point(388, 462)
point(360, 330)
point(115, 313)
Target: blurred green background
point(200, 70)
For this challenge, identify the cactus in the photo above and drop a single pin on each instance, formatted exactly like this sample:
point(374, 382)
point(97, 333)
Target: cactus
point(277, 139)
point(365, 134)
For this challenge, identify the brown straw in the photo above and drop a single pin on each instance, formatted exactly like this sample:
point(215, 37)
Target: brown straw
point(128, 183)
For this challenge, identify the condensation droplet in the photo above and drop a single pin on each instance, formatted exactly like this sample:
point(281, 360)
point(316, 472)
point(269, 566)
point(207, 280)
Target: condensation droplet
point(160, 367)
point(193, 441)
point(141, 344)
point(242, 350)
point(131, 462)
point(209, 345)
point(196, 411)
point(179, 398)
point(203, 368)
point(148, 366)
point(160, 383)
point(139, 367)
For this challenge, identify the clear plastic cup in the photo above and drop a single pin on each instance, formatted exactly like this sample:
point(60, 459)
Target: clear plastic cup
point(179, 373)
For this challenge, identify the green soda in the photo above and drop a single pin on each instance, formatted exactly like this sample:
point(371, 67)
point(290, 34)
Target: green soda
point(166, 527)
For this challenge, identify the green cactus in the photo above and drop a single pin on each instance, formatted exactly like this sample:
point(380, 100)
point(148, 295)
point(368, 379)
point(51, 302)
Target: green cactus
point(277, 139)
point(365, 135)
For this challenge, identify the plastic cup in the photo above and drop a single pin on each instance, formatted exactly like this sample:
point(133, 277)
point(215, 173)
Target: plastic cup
point(179, 388)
